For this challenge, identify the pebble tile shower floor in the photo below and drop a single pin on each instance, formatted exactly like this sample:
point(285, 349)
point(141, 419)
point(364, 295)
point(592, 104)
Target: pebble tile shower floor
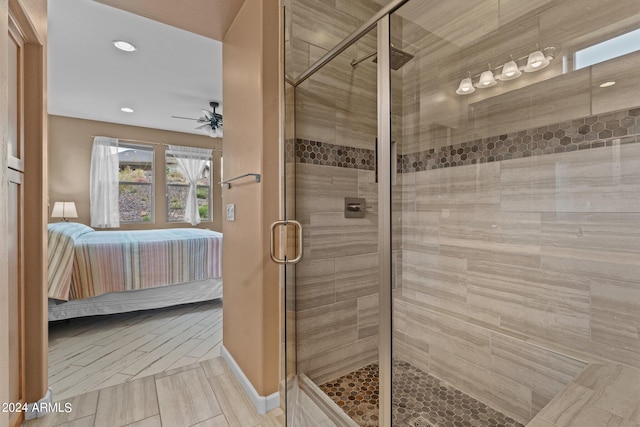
point(419, 400)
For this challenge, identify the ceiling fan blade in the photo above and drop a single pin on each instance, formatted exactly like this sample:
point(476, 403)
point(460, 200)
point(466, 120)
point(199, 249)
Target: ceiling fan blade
point(207, 113)
point(203, 126)
point(186, 118)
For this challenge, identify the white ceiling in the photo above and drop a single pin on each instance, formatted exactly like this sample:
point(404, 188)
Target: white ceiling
point(173, 72)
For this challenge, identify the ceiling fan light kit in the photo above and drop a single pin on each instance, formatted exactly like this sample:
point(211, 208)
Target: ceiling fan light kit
point(210, 121)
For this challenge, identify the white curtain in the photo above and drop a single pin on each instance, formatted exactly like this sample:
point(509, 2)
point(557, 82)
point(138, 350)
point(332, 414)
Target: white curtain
point(104, 180)
point(191, 162)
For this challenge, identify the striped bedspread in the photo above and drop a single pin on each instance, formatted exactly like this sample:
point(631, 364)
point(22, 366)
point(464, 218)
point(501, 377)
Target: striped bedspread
point(85, 263)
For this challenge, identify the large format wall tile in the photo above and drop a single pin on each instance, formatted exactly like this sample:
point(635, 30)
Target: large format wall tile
point(356, 276)
point(318, 190)
point(315, 283)
point(615, 313)
point(335, 362)
point(594, 180)
point(326, 327)
point(543, 371)
point(460, 187)
point(540, 302)
point(334, 236)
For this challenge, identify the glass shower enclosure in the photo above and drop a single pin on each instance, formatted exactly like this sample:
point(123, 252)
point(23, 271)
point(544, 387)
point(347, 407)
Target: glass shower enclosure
point(491, 152)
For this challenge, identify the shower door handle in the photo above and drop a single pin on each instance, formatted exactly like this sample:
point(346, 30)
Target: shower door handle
point(298, 242)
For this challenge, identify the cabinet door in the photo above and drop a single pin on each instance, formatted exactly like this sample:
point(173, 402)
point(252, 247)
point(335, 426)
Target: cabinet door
point(15, 214)
point(16, 98)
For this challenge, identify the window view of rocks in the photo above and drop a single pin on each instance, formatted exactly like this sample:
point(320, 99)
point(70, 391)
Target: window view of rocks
point(136, 183)
point(136, 186)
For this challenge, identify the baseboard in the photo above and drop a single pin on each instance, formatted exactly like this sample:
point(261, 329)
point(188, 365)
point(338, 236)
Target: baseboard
point(263, 404)
point(43, 406)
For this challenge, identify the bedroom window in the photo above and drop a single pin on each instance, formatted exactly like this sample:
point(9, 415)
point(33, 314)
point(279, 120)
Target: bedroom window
point(136, 183)
point(178, 191)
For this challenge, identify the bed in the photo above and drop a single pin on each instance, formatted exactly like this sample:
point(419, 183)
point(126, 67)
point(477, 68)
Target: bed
point(88, 267)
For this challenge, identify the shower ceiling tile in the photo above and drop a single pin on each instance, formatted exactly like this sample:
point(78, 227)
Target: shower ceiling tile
point(511, 10)
point(457, 21)
point(582, 22)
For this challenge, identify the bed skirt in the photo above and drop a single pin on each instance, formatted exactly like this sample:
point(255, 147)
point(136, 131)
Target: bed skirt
point(143, 299)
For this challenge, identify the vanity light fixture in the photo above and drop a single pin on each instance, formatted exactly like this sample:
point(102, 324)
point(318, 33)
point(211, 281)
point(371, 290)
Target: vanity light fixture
point(466, 86)
point(124, 46)
point(126, 110)
point(486, 79)
point(511, 69)
point(536, 61)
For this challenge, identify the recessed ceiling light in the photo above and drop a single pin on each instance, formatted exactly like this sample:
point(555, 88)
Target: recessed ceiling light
point(126, 110)
point(607, 84)
point(125, 46)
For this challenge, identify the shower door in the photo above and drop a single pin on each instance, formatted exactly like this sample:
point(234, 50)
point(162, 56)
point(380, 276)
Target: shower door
point(333, 295)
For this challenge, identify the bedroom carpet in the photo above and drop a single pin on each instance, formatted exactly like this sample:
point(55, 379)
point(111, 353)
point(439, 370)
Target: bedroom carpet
point(92, 353)
point(204, 394)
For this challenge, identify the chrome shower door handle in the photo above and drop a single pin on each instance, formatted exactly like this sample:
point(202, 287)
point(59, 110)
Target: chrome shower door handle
point(298, 242)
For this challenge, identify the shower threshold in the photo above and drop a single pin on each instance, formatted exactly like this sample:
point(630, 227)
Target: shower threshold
point(419, 400)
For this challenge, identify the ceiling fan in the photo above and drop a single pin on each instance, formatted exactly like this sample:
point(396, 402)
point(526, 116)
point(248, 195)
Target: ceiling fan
point(210, 121)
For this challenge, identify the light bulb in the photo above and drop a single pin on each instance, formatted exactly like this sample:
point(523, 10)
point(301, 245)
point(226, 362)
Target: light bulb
point(510, 71)
point(486, 80)
point(537, 61)
point(466, 87)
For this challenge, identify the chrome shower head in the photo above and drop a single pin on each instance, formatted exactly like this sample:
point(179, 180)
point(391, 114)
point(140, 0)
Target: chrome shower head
point(397, 58)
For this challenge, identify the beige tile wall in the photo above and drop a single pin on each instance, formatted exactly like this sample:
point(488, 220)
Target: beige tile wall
point(337, 281)
point(536, 262)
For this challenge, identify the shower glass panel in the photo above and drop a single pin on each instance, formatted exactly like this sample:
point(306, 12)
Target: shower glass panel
point(515, 210)
point(336, 283)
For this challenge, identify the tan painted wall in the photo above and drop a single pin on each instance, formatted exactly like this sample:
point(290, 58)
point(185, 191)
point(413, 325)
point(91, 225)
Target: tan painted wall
point(251, 303)
point(70, 145)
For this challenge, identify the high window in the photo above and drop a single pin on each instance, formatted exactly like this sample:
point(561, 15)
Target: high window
point(608, 49)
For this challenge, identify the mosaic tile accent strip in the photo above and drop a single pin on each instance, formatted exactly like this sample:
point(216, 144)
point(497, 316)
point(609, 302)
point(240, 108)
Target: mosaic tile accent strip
point(419, 400)
point(323, 153)
point(620, 127)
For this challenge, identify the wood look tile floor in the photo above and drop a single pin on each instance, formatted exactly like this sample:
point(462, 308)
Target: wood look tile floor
point(93, 353)
point(202, 394)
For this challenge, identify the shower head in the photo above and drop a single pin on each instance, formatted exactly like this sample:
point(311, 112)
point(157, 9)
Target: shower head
point(397, 58)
